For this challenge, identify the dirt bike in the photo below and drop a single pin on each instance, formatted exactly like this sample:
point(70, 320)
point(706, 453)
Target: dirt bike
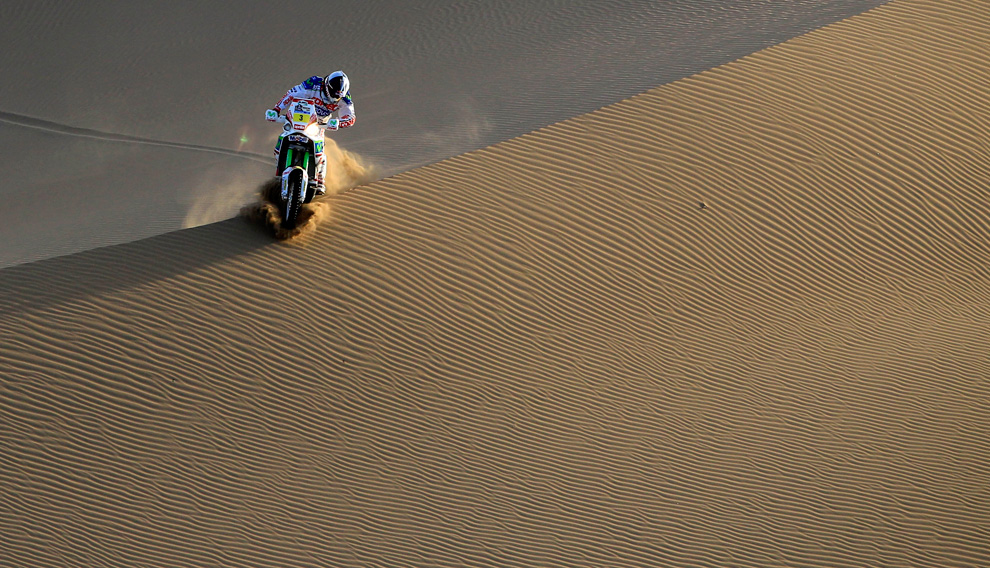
point(298, 151)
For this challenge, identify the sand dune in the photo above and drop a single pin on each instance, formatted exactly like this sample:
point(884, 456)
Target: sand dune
point(737, 320)
point(431, 79)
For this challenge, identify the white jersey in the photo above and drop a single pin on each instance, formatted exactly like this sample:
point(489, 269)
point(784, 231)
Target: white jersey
point(311, 89)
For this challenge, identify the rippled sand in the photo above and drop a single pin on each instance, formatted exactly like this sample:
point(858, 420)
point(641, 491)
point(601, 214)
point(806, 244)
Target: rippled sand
point(124, 120)
point(737, 320)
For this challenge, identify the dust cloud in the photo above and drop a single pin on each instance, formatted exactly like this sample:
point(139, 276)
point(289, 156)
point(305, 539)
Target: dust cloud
point(345, 170)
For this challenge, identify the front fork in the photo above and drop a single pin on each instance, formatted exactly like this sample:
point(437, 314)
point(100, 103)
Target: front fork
point(321, 159)
point(304, 181)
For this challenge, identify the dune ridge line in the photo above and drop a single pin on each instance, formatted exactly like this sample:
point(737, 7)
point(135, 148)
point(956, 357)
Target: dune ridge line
point(738, 320)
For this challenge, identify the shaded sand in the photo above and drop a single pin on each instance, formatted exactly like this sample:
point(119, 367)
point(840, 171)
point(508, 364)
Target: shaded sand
point(155, 123)
point(546, 352)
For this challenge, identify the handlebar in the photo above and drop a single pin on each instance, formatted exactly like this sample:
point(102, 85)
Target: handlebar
point(330, 124)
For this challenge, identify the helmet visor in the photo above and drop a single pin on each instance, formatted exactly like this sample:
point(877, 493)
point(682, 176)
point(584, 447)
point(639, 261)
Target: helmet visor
point(334, 88)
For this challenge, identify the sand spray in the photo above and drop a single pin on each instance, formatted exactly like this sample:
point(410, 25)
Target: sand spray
point(345, 170)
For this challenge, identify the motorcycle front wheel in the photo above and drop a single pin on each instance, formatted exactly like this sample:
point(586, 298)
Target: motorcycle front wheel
point(293, 200)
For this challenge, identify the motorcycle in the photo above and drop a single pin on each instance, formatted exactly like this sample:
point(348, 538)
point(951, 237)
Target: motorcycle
point(299, 148)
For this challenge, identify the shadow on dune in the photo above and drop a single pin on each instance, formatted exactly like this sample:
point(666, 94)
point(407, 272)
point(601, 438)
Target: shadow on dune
point(49, 282)
point(68, 130)
point(45, 283)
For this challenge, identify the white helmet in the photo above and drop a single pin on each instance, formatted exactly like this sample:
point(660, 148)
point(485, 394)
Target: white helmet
point(335, 86)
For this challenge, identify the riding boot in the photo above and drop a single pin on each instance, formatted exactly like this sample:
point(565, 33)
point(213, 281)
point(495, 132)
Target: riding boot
point(321, 171)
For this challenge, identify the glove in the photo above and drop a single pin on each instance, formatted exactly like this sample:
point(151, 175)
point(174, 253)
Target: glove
point(271, 115)
point(333, 124)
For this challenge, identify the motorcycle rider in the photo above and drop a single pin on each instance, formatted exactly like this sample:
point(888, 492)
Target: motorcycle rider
point(332, 94)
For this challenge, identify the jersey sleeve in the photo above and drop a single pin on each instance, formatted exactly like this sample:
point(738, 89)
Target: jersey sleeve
point(345, 112)
point(286, 98)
